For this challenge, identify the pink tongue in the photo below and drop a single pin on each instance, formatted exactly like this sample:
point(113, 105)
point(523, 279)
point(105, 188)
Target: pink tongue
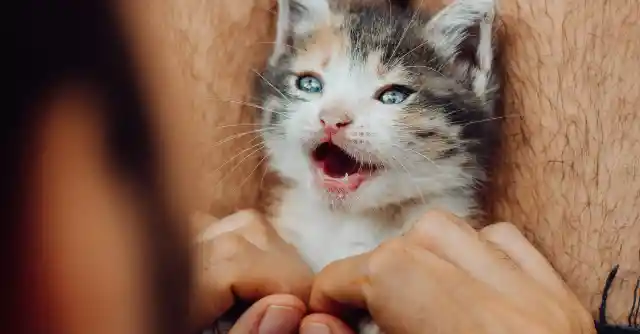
point(337, 164)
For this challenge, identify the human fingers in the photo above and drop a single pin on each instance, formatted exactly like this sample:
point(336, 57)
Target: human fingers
point(392, 268)
point(513, 243)
point(212, 293)
point(339, 285)
point(450, 238)
point(231, 266)
point(398, 284)
point(320, 323)
point(232, 262)
point(269, 274)
point(508, 239)
point(275, 314)
point(352, 282)
point(490, 257)
point(408, 288)
point(251, 225)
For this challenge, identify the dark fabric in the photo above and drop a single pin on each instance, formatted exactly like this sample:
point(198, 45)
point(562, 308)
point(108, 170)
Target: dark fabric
point(609, 329)
point(633, 326)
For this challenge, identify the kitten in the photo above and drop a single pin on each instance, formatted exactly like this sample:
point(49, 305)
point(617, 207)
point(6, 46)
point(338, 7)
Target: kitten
point(372, 115)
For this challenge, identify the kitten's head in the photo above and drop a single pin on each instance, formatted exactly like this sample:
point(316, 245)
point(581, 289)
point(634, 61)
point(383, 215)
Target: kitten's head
point(370, 106)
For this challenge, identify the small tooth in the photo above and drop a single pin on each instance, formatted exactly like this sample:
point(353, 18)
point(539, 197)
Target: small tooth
point(346, 177)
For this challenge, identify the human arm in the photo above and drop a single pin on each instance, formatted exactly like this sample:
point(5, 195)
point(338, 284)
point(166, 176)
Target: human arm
point(564, 176)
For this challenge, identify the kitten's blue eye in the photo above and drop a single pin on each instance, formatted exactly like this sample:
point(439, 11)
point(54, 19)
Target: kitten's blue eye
point(309, 83)
point(395, 94)
point(392, 97)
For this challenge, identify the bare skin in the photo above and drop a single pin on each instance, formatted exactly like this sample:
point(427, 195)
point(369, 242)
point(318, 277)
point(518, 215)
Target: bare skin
point(567, 177)
point(567, 174)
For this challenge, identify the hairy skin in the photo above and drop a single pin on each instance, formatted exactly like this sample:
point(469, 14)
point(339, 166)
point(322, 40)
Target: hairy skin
point(199, 58)
point(567, 177)
point(567, 174)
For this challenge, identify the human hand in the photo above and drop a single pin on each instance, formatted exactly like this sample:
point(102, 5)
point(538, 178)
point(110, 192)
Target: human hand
point(242, 256)
point(445, 277)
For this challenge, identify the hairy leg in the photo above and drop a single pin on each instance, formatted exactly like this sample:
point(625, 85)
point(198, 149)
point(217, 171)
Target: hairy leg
point(199, 59)
point(567, 171)
point(568, 174)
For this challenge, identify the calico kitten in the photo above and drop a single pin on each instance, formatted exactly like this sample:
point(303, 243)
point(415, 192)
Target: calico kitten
point(372, 115)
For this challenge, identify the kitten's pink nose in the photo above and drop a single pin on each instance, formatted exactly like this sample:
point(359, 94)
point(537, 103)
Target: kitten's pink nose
point(332, 128)
point(333, 122)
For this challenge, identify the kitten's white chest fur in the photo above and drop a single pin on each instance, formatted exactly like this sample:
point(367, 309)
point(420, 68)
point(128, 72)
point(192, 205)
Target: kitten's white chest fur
point(323, 235)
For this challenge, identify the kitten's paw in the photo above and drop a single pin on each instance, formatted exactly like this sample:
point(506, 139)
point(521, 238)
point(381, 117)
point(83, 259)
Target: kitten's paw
point(369, 327)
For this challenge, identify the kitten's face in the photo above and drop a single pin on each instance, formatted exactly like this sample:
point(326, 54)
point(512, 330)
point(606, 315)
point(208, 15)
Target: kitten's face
point(363, 113)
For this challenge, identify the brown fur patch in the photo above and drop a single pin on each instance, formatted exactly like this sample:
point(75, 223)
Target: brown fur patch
point(438, 138)
point(317, 51)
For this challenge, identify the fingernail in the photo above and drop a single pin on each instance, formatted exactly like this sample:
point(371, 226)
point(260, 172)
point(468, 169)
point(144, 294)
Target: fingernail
point(279, 320)
point(315, 328)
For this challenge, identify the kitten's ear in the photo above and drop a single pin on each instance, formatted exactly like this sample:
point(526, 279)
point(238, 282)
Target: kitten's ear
point(462, 34)
point(298, 18)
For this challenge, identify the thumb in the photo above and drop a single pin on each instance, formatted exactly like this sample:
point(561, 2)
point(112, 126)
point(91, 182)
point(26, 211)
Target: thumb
point(275, 314)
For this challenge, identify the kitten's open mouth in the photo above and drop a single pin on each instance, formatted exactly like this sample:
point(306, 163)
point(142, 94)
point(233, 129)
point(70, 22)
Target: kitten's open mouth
point(337, 170)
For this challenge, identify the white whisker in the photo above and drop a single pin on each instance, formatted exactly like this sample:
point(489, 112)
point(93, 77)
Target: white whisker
point(259, 149)
point(412, 178)
point(272, 86)
point(239, 124)
point(259, 145)
point(491, 119)
point(406, 29)
point(427, 67)
point(418, 153)
point(264, 174)
point(242, 134)
point(252, 171)
point(253, 105)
